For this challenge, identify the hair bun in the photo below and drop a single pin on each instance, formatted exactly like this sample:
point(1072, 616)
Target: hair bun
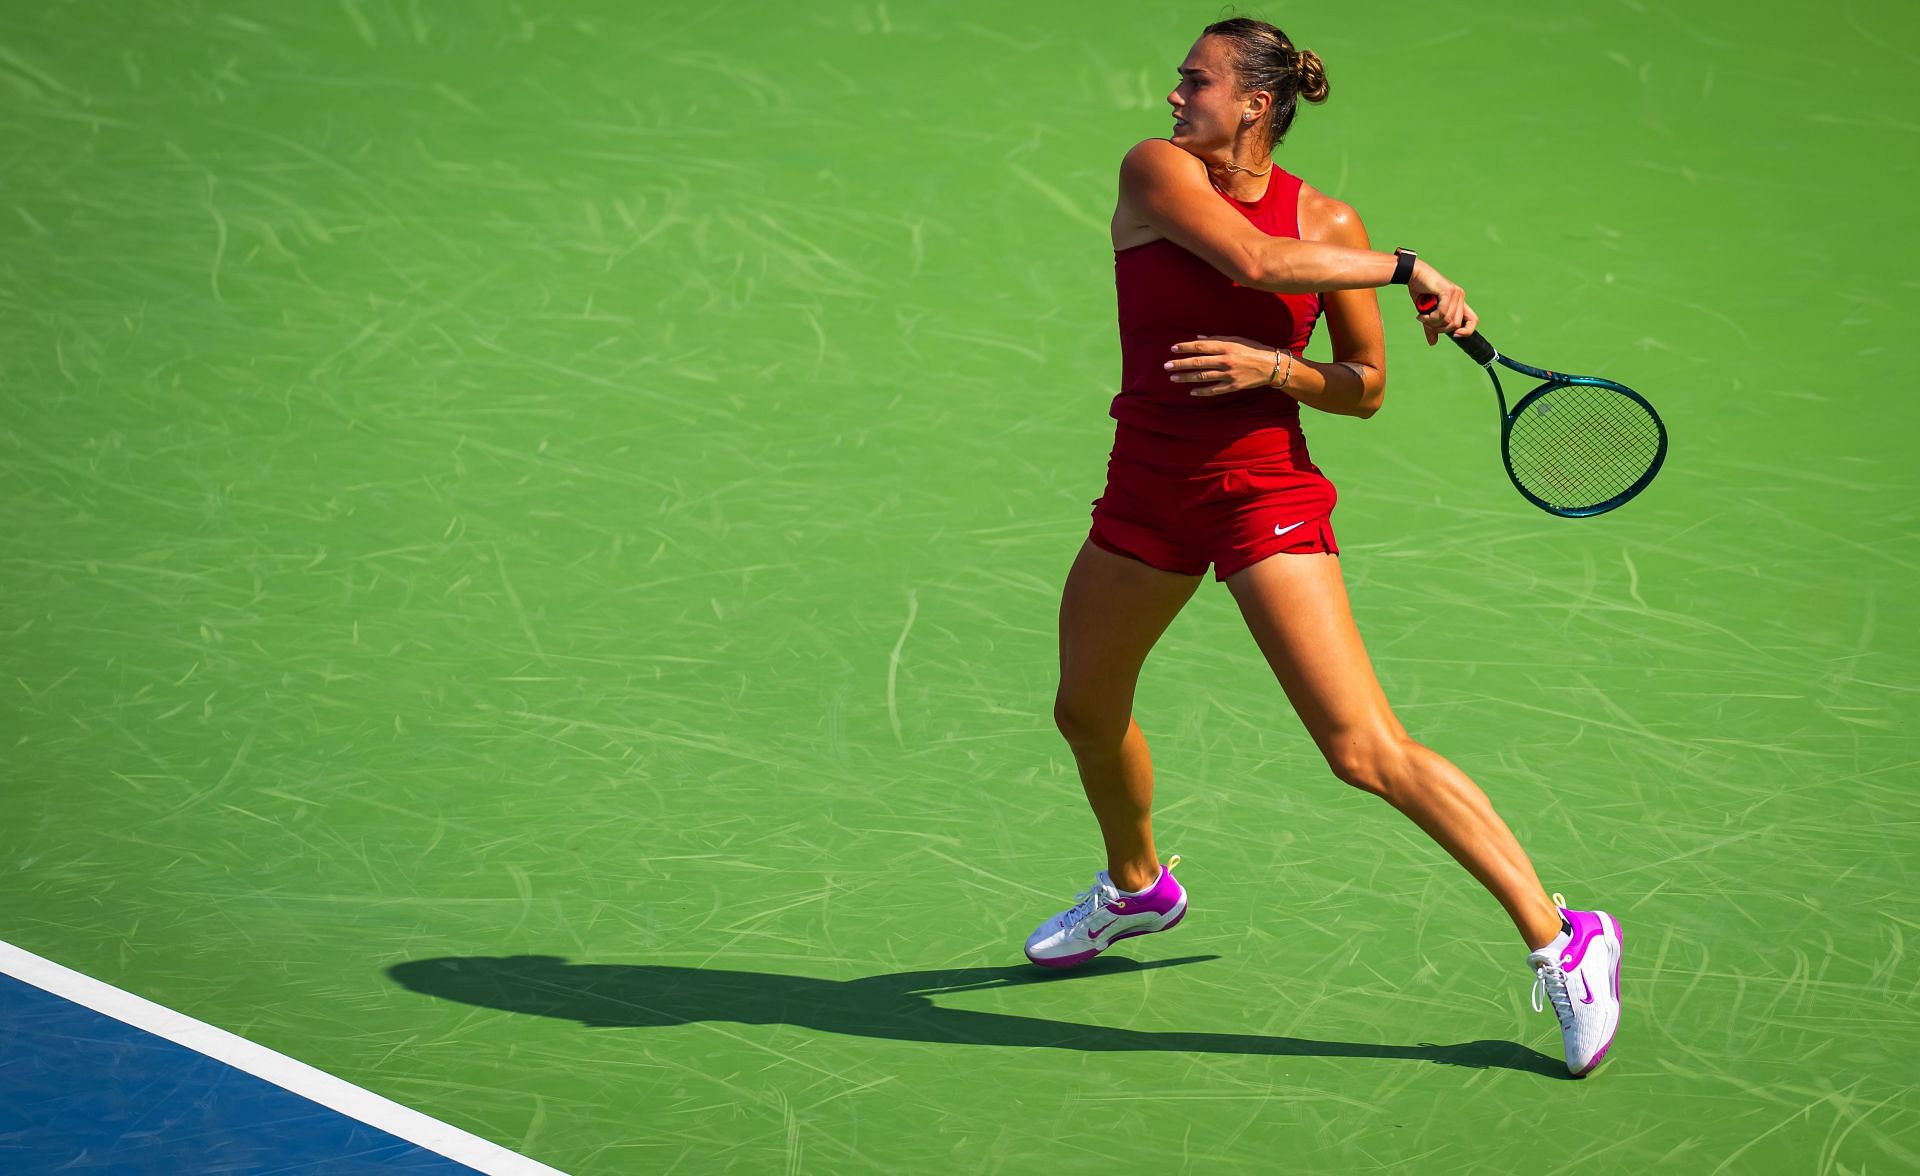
point(1312, 73)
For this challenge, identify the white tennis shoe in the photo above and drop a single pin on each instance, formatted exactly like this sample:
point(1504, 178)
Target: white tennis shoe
point(1579, 975)
point(1104, 916)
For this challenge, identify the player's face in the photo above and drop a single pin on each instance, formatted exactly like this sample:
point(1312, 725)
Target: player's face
point(1207, 104)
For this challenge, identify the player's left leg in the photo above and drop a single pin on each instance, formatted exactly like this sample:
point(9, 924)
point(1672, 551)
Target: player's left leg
point(1112, 611)
point(1297, 609)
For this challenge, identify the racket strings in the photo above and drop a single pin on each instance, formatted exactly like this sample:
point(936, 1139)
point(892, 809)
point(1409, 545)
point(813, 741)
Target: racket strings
point(1576, 446)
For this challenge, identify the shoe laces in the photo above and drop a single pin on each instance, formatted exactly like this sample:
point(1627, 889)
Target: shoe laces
point(1086, 902)
point(1093, 896)
point(1550, 982)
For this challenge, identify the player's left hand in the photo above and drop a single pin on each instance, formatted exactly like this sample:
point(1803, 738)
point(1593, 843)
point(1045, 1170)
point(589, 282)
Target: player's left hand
point(1217, 364)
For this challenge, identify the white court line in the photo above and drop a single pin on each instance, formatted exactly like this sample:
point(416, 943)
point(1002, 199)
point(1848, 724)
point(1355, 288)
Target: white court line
point(263, 1063)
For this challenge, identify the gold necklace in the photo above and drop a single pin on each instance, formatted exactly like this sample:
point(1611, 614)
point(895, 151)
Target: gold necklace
point(1233, 167)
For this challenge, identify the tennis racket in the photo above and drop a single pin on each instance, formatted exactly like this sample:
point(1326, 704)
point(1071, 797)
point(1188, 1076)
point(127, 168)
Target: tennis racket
point(1575, 446)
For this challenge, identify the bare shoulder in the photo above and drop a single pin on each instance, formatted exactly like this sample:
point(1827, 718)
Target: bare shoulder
point(1322, 218)
point(1148, 165)
point(1152, 160)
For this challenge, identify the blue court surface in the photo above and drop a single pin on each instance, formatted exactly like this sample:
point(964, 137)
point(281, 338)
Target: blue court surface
point(81, 1091)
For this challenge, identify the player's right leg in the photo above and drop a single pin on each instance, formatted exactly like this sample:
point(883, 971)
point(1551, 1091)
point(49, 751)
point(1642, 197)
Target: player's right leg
point(1297, 609)
point(1112, 611)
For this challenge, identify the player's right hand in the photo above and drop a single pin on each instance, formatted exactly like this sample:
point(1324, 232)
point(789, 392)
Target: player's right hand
point(1450, 315)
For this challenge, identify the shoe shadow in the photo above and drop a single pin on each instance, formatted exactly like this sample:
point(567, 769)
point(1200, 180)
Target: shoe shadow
point(894, 1006)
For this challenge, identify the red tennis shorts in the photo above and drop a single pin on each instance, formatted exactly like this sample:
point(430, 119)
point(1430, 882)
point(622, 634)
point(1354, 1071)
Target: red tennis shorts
point(1169, 511)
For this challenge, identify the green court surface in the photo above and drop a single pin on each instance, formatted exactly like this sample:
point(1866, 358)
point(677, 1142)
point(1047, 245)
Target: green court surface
point(533, 535)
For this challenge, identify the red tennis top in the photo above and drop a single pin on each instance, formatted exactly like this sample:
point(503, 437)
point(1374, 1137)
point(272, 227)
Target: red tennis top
point(1167, 295)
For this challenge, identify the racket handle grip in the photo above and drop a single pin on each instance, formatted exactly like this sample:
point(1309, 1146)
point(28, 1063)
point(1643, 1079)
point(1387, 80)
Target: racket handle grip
point(1475, 345)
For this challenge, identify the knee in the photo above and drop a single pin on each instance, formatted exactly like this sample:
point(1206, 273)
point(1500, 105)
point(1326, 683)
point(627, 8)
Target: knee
point(1375, 763)
point(1084, 725)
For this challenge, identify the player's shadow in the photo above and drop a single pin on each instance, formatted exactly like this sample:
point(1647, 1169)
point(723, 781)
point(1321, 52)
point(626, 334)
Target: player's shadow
point(894, 1005)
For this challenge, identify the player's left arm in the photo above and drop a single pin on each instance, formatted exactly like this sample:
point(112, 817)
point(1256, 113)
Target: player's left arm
point(1356, 381)
point(1352, 385)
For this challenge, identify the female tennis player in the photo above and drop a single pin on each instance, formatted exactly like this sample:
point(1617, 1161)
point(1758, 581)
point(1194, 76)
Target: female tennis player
point(1223, 264)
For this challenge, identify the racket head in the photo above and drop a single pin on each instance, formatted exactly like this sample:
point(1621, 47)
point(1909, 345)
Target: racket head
point(1579, 446)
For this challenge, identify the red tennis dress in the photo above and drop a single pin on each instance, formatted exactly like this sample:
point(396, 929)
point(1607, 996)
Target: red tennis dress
point(1198, 480)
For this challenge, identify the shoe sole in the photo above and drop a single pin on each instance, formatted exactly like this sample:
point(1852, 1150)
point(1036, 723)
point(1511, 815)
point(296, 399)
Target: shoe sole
point(1083, 956)
point(1619, 950)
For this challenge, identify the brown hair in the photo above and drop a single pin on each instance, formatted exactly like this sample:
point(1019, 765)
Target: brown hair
point(1264, 59)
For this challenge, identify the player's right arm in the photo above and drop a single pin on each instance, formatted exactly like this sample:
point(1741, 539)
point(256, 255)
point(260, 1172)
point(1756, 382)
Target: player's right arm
point(1168, 188)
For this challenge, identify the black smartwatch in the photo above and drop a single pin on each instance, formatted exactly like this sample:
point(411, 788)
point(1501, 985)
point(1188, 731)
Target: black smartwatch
point(1403, 265)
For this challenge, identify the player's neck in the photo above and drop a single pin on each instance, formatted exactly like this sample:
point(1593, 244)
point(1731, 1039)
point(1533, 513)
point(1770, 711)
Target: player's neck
point(1245, 180)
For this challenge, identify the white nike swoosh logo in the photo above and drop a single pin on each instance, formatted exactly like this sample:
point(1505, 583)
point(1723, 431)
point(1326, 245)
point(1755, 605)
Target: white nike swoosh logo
point(1280, 530)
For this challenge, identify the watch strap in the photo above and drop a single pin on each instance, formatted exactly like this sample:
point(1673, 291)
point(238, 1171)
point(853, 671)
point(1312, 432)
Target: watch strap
point(1403, 265)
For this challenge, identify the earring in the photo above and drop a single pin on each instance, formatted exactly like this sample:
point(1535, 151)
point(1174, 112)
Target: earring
point(1246, 118)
